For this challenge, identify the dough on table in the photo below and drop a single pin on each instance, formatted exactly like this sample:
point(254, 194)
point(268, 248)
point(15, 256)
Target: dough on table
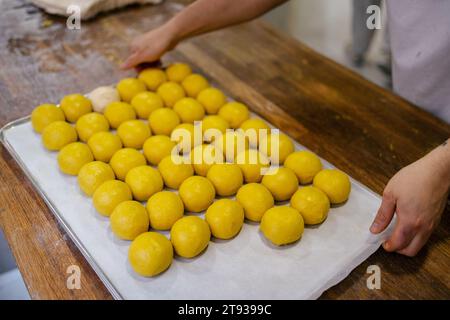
point(89, 8)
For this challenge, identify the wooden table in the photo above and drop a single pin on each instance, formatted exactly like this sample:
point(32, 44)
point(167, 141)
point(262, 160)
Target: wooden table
point(361, 128)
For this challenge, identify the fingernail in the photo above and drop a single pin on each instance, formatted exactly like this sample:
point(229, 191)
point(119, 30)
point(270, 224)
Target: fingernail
point(374, 227)
point(386, 246)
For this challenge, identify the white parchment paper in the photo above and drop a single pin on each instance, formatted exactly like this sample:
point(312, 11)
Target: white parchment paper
point(246, 267)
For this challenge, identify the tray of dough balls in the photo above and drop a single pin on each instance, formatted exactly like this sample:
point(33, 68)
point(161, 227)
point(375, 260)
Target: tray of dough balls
point(221, 214)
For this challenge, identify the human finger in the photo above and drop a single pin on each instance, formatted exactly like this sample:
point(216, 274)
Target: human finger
point(401, 237)
point(415, 245)
point(384, 214)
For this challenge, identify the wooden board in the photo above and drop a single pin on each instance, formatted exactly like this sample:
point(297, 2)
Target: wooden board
point(361, 128)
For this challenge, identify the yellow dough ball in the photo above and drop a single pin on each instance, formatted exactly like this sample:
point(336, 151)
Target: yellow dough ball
point(190, 236)
point(129, 219)
point(255, 199)
point(174, 171)
point(103, 145)
point(225, 218)
point(285, 147)
point(91, 123)
point(133, 133)
point(129, 87)
point(144, 181)
point(193, 84)
point(214, 122)
point(226, 177)
point(178, 71)
point(235, 113)
point(92, 175)
point(145, 103)
point(74, 106)
point(255, 127)
point(204, 156)
point(163, 121)
point(197, 193)
point(232, 143)
point(282, 225)
point(152, 78)
point(170, 93)
point(164, 209)
point(212, 100)
point(58, 134)
point(119, 112)
point(184, 136)
point(45, 114)
point(334, 183)
point(189, 110)
point(73, 156)
point(109, 194)
point(305, 164)
point(158, 147)
point(252, 163)
point(150, 254)
point(312, 203)
point(281, 182)
point(126, 159)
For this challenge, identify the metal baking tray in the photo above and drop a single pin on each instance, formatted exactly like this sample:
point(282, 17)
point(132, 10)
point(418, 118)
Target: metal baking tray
point(246, 267)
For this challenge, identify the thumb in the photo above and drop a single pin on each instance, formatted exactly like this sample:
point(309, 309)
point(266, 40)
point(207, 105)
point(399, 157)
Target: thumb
point(384, 214)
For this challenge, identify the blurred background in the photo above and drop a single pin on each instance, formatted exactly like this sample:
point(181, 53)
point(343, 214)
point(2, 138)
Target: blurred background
point(326, 26)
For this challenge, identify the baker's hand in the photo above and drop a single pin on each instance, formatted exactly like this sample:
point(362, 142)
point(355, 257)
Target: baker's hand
point(418, 195)
point(149, 47)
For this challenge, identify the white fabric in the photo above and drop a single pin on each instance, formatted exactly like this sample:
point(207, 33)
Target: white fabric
point(89, 8)
point(420, 41)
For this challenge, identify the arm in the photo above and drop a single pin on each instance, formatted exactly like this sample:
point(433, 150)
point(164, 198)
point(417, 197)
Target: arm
point(200, 17)
point(418, 195)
